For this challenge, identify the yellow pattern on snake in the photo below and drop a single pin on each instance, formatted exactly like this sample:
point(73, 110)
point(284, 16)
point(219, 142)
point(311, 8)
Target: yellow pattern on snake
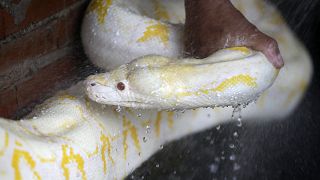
point(158, 30)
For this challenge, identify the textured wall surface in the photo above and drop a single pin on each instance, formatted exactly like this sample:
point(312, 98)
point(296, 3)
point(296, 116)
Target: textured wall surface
point(39, 47)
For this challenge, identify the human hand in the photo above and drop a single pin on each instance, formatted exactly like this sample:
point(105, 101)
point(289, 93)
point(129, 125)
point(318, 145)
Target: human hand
point(216, 24)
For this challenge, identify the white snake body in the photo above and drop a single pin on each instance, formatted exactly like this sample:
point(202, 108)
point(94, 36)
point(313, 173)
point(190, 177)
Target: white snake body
point(124, 37)
point(72, 137)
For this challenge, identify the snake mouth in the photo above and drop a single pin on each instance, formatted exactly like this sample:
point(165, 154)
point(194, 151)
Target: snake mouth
point(137, 105)
point(131, 104)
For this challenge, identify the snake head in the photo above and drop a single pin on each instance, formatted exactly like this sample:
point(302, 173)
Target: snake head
point(113, 88)
point(108, 88)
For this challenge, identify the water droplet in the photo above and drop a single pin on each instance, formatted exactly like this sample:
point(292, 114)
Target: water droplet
point(118, 109)
point(218, 127)
point(213, 168)
point(232, 146)
point(236, 114)
point(232, 157)
point(236, 111)
point(235, 134)
point(236, 166)
point(176, 115)
point(144, 139)
point(239, 123)
point(157, 165)
point(161, 146)
point(174, 172)
point(148, 129)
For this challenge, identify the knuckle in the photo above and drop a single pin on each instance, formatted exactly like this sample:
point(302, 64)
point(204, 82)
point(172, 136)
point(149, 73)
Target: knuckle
point(271, 43)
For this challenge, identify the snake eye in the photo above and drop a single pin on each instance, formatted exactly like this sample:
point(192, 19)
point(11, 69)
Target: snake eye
point(121, 86)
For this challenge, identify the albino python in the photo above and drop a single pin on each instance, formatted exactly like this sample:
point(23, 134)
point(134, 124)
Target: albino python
point(156, 82)
point(72, 137)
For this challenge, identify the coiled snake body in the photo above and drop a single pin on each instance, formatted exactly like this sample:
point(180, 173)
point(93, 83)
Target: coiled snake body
point(73, 137)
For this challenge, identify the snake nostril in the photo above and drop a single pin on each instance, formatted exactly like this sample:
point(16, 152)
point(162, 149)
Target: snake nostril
point(93, 84)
